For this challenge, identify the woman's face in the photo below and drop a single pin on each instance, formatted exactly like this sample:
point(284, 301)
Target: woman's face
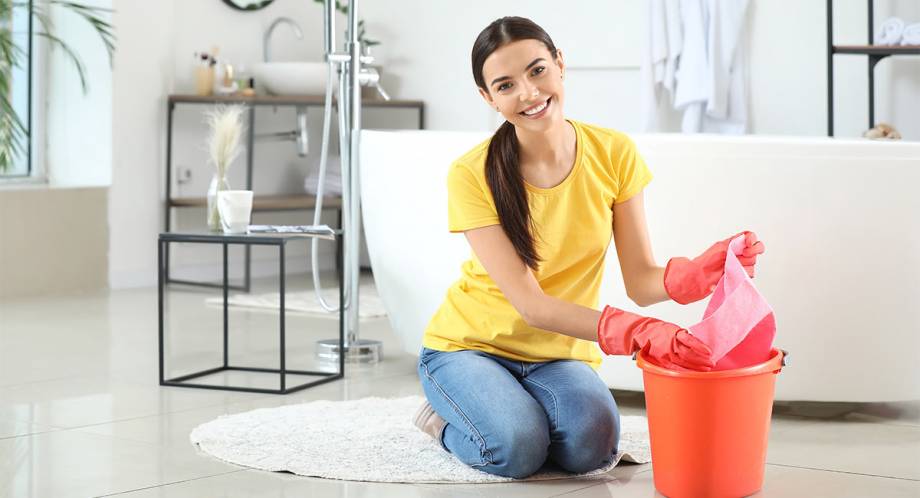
point(524, 84)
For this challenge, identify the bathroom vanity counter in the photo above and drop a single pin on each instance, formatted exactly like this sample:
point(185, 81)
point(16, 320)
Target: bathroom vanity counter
point(307, 100)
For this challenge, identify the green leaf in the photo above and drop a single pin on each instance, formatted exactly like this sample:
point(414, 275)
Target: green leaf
point(81, 69)
point(12, 131)
point(92, 15)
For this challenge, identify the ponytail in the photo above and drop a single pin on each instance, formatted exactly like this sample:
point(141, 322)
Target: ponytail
point(503, 174)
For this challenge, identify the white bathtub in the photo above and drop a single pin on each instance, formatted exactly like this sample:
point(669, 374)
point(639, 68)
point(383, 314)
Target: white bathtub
point(839, 219)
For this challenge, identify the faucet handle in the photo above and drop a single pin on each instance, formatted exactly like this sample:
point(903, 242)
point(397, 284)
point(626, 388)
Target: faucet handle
point(381, 91)
point(370, 77)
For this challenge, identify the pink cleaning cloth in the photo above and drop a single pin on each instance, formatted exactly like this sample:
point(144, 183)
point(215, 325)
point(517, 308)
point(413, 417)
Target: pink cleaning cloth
point(738, 325)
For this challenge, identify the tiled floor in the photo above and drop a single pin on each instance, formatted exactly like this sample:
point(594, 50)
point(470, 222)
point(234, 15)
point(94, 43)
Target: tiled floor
point(81, 413)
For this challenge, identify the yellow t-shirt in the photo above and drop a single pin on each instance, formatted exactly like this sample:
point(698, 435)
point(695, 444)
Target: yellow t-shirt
point(574, 221)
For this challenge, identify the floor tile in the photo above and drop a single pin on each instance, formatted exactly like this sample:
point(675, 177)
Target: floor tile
point(259, 484)
point(779, 482)
point(795, 482)
point(55, 337)
point(14, 428)
point(848, 446)
point(92, 400)
point(632, 486)
point(174, 428)
point(71, 463)
point(525, 489)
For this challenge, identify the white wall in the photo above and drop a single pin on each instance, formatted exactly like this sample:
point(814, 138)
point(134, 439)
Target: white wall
point(79, 145)
point(425, 55)
point(143, 76)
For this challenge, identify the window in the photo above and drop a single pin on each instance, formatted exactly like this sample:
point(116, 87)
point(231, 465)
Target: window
point(16, 27)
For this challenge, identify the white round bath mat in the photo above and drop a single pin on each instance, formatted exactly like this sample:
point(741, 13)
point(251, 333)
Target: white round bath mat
point(371, 439)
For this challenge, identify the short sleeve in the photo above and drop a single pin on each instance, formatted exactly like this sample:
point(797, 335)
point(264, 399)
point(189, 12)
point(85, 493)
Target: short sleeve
point(632, 173)
point(469, 203)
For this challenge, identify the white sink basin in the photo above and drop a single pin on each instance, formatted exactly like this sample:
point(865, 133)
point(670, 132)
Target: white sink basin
point(292, 78)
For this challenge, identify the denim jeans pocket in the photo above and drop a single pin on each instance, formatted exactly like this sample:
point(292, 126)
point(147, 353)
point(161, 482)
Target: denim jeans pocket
point(426, 354)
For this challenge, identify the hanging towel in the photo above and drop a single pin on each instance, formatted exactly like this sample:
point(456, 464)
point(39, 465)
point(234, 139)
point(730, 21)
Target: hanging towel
point(693, 69)
point(675, 32)
point(726, 106)
point(726, 19)
point(738, 324)
point(691, 91)
point(911, 34)
point(889, 33)
point(332, 187)
point(659, 62)
point(711, 75)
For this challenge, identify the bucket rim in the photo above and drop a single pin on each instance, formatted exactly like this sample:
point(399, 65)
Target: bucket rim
point(772, 365)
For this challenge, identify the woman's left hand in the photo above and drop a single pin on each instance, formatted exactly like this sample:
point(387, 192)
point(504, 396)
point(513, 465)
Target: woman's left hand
point(748, 256)
point(689, 280)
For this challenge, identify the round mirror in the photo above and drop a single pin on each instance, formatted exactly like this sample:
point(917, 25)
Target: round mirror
point(248, 4)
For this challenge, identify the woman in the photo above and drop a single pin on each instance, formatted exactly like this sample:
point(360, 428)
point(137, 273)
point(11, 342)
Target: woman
point(507, 364)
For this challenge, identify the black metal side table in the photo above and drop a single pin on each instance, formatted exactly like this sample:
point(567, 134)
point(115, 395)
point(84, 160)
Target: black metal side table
point(263, 239)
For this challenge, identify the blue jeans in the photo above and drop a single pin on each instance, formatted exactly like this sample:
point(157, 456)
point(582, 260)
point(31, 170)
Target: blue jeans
point(507, 417)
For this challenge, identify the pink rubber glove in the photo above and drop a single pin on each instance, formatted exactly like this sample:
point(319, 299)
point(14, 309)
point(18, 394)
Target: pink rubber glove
point(623, 333)
point(689, 280)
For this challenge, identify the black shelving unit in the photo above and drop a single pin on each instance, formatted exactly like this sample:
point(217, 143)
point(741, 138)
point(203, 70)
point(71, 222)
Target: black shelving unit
point(259, 202)
point(875, 54)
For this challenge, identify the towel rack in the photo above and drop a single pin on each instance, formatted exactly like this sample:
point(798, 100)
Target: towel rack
point(875, 52)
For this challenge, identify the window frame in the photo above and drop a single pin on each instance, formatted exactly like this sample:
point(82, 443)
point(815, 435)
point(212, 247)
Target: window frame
point(30, 72)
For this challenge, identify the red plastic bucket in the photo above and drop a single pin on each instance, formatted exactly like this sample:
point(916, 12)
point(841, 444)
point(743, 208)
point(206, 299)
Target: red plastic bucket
point(709, 430)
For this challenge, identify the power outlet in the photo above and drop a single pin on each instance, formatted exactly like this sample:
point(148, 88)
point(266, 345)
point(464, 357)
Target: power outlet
point(183, 175)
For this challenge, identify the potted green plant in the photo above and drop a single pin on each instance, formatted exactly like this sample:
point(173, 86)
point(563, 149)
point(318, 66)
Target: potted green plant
point(13, 132)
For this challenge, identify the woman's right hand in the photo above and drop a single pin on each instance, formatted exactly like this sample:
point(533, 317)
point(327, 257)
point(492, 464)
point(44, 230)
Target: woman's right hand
point(668, 345)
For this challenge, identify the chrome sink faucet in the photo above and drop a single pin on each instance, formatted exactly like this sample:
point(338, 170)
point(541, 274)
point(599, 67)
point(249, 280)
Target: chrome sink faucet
point(266, 37)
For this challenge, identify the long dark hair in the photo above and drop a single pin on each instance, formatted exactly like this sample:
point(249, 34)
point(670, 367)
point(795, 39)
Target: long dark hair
point(503, 173)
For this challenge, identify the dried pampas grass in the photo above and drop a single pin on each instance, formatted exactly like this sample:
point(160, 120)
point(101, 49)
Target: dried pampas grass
point(226, 127)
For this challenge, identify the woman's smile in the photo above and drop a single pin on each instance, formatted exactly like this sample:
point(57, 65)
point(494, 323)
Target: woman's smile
point(537, 111)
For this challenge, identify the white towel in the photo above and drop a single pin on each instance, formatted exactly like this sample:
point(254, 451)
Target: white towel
point(726, 107)
point(692, 70)
point(889, 33)
point(911, 34)
point(726, 20)
point(711, 77)
point(696, 52)
point(675, 44)
point(659, 61)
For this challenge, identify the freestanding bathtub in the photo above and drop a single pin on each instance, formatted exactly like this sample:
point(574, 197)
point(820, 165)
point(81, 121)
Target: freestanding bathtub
point(839, 219)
